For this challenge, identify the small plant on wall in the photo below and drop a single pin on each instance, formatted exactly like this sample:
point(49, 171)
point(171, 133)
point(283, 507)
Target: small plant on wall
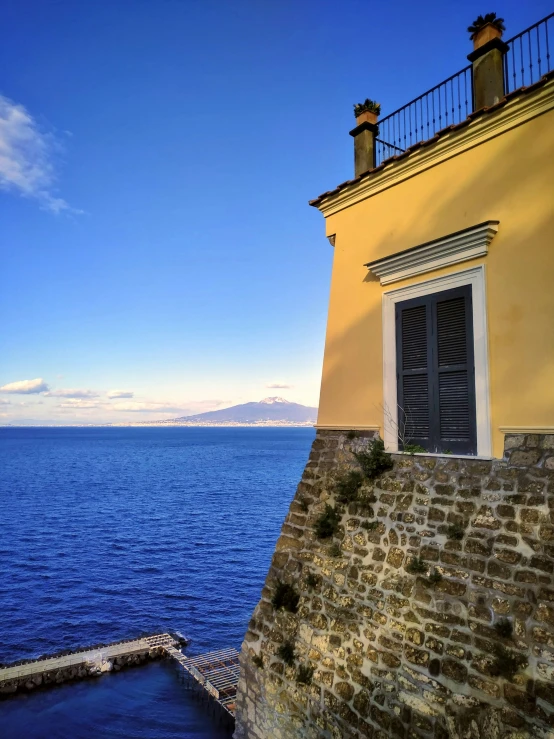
point(417, 566)
point(370, 525)
point(507, 663)
point(311, 580)
point(304, 675)
point(348, 486)
point(286, 653)
point(327, 524)
point(504, 628)
point(368, 106)
point(285, 596)
point(335, 550)
point(374, 460)
point(414, 449)
point(455, 532)
point(483, 20)
point(258, 661)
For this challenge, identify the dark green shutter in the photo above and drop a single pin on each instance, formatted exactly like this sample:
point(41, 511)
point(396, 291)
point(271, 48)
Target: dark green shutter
point(435, 372)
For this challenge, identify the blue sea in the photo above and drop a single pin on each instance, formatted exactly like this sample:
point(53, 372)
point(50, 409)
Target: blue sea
point(109, 532)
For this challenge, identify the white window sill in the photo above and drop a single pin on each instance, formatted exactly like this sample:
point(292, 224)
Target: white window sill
point(449, 456)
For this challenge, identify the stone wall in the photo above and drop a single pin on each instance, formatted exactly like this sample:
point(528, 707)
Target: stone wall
point(397, 655)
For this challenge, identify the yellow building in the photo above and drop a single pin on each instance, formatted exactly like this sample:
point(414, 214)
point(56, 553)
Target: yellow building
point(441, 317)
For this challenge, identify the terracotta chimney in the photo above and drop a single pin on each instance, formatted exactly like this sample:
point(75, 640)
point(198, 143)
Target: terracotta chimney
point(487, 59)
point(364, 135)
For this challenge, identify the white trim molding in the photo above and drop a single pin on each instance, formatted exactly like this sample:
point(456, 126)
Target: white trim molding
point(476, 278)
point(526, 429)
point(458, 247)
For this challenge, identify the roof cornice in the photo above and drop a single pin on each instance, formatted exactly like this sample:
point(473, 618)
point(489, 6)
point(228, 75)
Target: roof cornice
point(513, 110)
point(457, 247)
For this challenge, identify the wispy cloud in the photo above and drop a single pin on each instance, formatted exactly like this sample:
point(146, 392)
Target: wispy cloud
point(279, 386)
point(120, 394)
point(145, 406)
point(80, 403)
point(3, 401)
point(25, 387)
point(27, 157)
point(71, 393)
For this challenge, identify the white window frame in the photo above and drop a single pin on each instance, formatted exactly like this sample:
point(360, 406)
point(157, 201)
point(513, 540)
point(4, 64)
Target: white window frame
point(476, 278)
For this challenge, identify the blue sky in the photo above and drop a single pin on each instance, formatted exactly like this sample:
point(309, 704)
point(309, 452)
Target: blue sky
point(156, 159)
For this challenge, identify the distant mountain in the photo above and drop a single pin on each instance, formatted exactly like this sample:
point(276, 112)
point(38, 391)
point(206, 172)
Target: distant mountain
point(269, 411)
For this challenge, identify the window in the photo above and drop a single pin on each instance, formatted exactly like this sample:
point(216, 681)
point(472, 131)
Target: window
point(435, 372)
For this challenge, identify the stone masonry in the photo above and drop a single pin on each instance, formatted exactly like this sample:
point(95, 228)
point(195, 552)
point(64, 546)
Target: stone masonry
point(399, 654)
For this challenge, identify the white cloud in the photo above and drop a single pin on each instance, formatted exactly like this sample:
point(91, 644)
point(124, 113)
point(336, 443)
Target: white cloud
point(145, 406)
point(3, 401)
point(80, 403)
point(27, 157)
point(71, 393)
point(279, 386)
point(26, 387)
point(119, 394)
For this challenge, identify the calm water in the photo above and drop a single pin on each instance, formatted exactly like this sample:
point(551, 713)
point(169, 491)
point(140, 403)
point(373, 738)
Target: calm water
point(108, 532)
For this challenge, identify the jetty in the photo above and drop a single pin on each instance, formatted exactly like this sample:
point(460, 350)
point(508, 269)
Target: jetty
point(215, 673)
point(30, 674)
point(213, 676)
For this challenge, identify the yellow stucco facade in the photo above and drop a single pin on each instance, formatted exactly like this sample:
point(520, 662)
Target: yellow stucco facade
point(498, 168)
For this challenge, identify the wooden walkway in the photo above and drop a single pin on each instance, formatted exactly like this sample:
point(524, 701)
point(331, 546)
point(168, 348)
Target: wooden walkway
point(98, 656)
point(217, 673)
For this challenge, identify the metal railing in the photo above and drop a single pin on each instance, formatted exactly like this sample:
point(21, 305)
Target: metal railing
point(451, 101)
point(448, 102)
point(529, 55)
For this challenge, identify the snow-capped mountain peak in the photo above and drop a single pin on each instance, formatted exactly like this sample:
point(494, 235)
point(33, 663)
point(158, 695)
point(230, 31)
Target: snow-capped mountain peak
point(271, 401)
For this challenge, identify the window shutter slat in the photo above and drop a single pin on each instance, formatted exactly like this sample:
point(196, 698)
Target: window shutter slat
point(416, 406)
point(414, 338)
point(451, 332)
point(454, 406)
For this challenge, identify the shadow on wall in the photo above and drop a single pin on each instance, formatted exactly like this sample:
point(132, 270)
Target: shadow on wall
point(515, 186)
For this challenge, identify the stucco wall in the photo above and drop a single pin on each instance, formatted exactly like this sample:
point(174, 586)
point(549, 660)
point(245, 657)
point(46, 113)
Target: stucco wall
point(509, 178)
point(395, 656)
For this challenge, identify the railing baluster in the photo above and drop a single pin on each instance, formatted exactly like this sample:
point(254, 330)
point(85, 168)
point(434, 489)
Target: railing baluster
point(522, 65)
point(539, 50)
point(439, 107)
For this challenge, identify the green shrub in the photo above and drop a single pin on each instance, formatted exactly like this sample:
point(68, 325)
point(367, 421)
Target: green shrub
point(506, 663)
point(285, 596)
point(328, 523)
point(370, 525)
point(352, 435)
point(414, 449)
point(286, 653)
point(258, 661)
point(334, 550)
point(369, 105)
point(417, 566)
point(504, 628)
point(304, 674)
point(374, 460)
point(455, 531)
point(435, 577)
point(348, 485)
point(311, 580)
point(481, 21)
